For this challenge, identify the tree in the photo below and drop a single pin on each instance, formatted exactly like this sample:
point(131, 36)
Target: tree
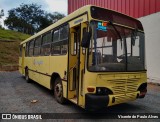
point(49, 18)
point(1, 14)
point(30, 18)
point(56, 16)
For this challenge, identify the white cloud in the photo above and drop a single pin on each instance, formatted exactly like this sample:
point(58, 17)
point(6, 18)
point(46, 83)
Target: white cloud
point(57, 5)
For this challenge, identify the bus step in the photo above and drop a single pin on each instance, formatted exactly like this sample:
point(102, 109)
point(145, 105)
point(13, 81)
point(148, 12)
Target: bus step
point(74, 100)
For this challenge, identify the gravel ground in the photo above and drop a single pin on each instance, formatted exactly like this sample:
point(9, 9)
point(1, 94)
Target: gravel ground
point(16, 96)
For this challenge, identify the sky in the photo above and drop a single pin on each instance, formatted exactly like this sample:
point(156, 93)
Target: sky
point(47, 5)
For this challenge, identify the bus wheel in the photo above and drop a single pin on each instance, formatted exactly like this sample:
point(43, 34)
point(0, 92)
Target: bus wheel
point(58, 91)
point(27, 76)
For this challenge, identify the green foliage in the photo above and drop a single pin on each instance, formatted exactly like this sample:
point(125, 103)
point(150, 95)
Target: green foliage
point(12, 35)
point(30, 18)
point(49, 18)
point(24, 18)
point(9, 50)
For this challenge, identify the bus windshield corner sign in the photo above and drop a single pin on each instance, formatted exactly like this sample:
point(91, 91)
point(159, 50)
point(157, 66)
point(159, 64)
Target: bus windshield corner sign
point(102, 26)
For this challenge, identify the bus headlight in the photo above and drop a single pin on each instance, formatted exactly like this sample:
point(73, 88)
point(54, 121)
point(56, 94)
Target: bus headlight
point(103, 91)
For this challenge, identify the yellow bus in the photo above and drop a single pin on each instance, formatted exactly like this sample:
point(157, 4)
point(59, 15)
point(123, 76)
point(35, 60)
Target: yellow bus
point(94, 57)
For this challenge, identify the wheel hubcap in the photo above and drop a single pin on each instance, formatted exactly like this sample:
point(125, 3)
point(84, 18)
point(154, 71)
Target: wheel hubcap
point(58, 90)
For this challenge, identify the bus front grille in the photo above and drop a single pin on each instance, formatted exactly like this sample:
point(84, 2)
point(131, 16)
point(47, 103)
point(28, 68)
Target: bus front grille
point(121, 86)
point(124, 98)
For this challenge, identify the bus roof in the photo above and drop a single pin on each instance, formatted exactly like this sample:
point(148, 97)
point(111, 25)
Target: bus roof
point(71, 16)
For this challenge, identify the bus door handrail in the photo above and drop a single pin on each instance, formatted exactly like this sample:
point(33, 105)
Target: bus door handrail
point(73, 66)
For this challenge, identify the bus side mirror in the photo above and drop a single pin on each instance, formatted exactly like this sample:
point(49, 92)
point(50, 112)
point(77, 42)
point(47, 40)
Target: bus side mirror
point(86, 39)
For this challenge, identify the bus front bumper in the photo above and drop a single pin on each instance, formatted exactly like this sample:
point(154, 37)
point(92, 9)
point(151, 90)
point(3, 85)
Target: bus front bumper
point(93, 101)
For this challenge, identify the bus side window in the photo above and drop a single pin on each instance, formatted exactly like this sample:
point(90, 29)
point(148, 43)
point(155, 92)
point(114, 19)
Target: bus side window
point(64, 33)
point(37, 46)
point(55, 48)
point(46, 44)
point(64, 39)
point(31, 45)
point(60, 41)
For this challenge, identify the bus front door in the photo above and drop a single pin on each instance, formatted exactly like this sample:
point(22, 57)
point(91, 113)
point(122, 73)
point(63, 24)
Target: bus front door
point(76, 64)
point(73, 78)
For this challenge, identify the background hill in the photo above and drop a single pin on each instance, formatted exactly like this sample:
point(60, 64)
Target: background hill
point(9, 48)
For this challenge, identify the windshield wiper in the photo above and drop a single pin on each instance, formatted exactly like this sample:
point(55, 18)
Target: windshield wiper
point(125, 43)
point(110, 22)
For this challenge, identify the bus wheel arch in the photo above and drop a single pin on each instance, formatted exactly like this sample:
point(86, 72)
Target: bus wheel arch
point(54, 76)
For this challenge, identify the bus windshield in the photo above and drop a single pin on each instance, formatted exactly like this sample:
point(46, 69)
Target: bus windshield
point(115, 48)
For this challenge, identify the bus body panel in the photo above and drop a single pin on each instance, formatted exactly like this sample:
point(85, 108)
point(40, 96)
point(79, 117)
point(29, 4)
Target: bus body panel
point(58, 64)
point(21, 59)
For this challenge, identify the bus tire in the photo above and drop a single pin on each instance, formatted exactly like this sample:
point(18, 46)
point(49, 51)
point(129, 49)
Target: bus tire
point(58, 91)
point(27, 76)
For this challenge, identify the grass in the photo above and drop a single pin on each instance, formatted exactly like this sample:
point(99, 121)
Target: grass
point(9, 50)
point(12, 35)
